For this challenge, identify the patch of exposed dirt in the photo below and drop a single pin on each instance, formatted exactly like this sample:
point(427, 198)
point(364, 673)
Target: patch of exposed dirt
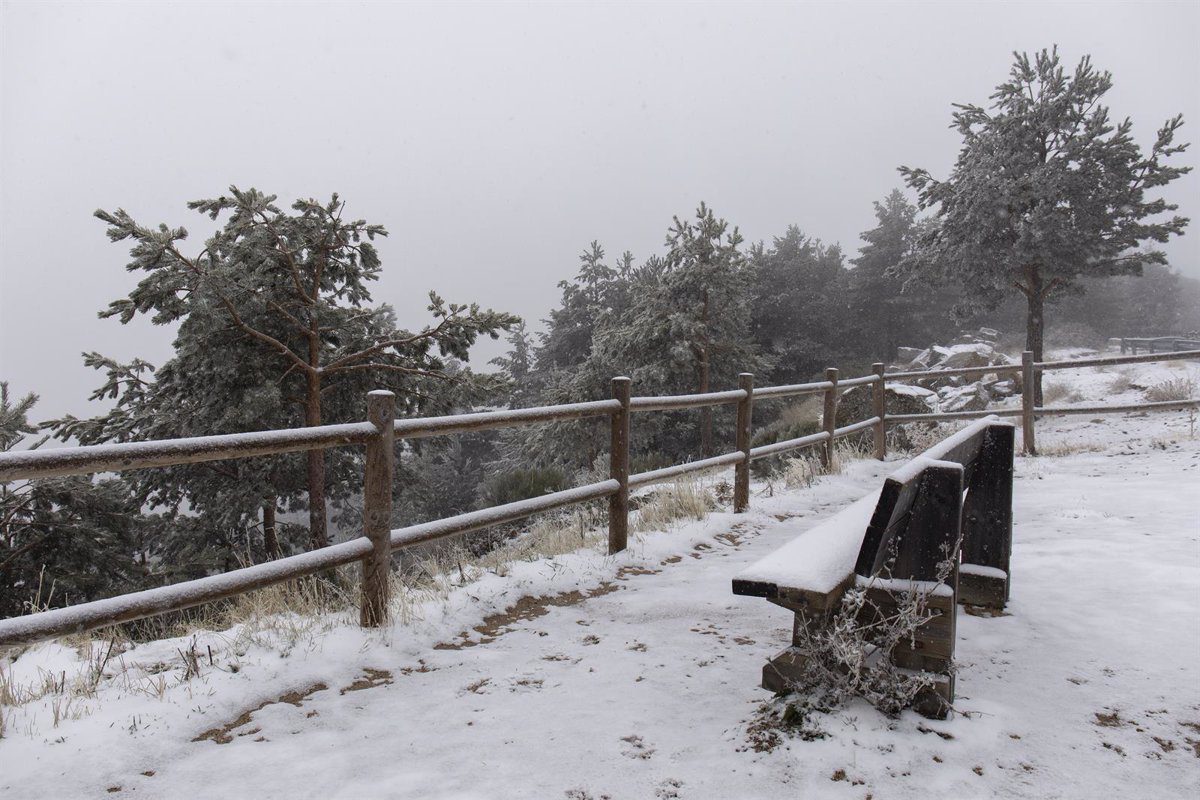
point(523, 610)
point(370, 679)
point(224, 734)
point(984, 611)
point(637, 749)
point(624, 572)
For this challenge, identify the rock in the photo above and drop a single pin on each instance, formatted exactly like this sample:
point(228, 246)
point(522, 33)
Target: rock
point(855, 403)
point(1003, 388)
point(939, 354)
point(968, 355)
point(1001, 359)
point(974, 397)
point(989, 333)
point(905, 355)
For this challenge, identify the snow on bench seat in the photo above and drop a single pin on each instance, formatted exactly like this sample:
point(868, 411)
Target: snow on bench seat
point(816, 564)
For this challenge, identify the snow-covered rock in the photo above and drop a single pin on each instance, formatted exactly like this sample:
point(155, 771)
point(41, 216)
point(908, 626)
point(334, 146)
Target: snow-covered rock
point(972, 397)
point(855, 403)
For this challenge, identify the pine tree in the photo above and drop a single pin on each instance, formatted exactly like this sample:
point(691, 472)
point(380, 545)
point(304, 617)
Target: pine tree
point(881, 314)
point(63, 540)
point(797, 290)
point(516, 366)
point(687, 327)
point(1046, 190)
point(295, 286)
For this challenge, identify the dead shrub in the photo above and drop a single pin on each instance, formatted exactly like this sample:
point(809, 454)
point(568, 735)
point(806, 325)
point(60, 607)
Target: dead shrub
point(1055, 392)
point(1173, 389)
point(682, 500)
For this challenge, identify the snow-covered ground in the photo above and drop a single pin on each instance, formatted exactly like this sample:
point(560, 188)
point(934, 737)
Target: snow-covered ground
point(638, 676)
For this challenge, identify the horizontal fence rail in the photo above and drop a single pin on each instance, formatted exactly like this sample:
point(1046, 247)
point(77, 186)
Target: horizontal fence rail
point(420, 427)
point(63, 461)
point(962, 372)
point(379, 434)
point(1153, 343)
point(672, 403)
point(679, 470)
point(793, 390)
point(1113, 361)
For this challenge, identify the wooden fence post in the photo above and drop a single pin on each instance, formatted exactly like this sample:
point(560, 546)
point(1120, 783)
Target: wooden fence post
point(879, 409)
point(1027, 397)
point(1122, 345)
point(829, 416)
point(377, 508)
point(741, 474)
point(618, 469)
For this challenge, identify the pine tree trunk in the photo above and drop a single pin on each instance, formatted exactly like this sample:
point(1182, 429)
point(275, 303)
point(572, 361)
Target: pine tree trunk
point(317, 533)
point(1035, 327)
point(270, 534)
point(706, 413)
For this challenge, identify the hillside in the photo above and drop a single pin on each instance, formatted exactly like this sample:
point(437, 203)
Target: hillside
point(582, 676)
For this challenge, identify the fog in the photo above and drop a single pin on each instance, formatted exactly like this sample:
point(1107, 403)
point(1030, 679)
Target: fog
point(496, 141)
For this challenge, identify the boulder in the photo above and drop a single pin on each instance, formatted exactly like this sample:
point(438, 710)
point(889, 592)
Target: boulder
point(968, 355)
point(973, 397)
point(855, 403)
point(905, 355)
point(1002, 388)
point(999, 359)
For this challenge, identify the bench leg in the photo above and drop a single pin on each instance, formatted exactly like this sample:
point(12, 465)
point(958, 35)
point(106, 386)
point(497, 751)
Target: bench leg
point(930, 650)
point(782, 672)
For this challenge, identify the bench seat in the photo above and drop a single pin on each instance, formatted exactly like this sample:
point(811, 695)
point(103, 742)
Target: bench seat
point(895, 541)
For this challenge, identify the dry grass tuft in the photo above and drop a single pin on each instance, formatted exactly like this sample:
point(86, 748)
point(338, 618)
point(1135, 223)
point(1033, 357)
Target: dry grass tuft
point(1067, 448)
point(1173, 389)
point(682, 500)
point(1120, 383)
point(1055, 392)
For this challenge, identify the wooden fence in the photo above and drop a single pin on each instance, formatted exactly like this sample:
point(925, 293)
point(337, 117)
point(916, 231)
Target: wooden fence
point(1165, 343)
point(381, 431)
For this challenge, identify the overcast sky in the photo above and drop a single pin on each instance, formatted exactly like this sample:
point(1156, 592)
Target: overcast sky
point(495, 141)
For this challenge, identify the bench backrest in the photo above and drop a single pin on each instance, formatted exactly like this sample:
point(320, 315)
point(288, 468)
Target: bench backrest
point(906, 530)
point(921, 512)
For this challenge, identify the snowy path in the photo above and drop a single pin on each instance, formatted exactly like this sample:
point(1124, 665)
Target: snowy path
point(644, 689)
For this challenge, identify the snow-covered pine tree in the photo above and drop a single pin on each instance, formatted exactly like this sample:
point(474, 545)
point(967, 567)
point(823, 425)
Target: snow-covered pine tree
point(880, 315)
point(295, 285)
point(63, 540)
point(797, 319)
point(1046, 190)
point(516, 366)
point(687, 327)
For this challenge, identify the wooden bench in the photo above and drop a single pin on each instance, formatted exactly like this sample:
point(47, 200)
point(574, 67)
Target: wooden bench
point(891, 542)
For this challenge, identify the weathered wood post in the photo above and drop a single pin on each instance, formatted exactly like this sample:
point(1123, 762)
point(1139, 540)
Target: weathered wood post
point(879, 409)
point(741, 474)
point(377, 508)
point(1122, 345)
point(1027, 397)
point(931, 536)
point(829, 416)
point(987, 522)
point(618, 469)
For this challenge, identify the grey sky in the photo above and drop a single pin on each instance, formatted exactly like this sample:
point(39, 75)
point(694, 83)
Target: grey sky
point(496, 141)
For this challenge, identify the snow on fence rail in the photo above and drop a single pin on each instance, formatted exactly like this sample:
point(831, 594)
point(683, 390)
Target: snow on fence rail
point(378, 435)
point(1165, 342)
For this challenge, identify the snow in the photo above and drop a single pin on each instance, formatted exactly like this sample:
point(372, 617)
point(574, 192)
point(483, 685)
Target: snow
point(97, 458)
point(911, 389)
point(982, 571)
point(1084, 688)
point(819, 559)
point(898, 585)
